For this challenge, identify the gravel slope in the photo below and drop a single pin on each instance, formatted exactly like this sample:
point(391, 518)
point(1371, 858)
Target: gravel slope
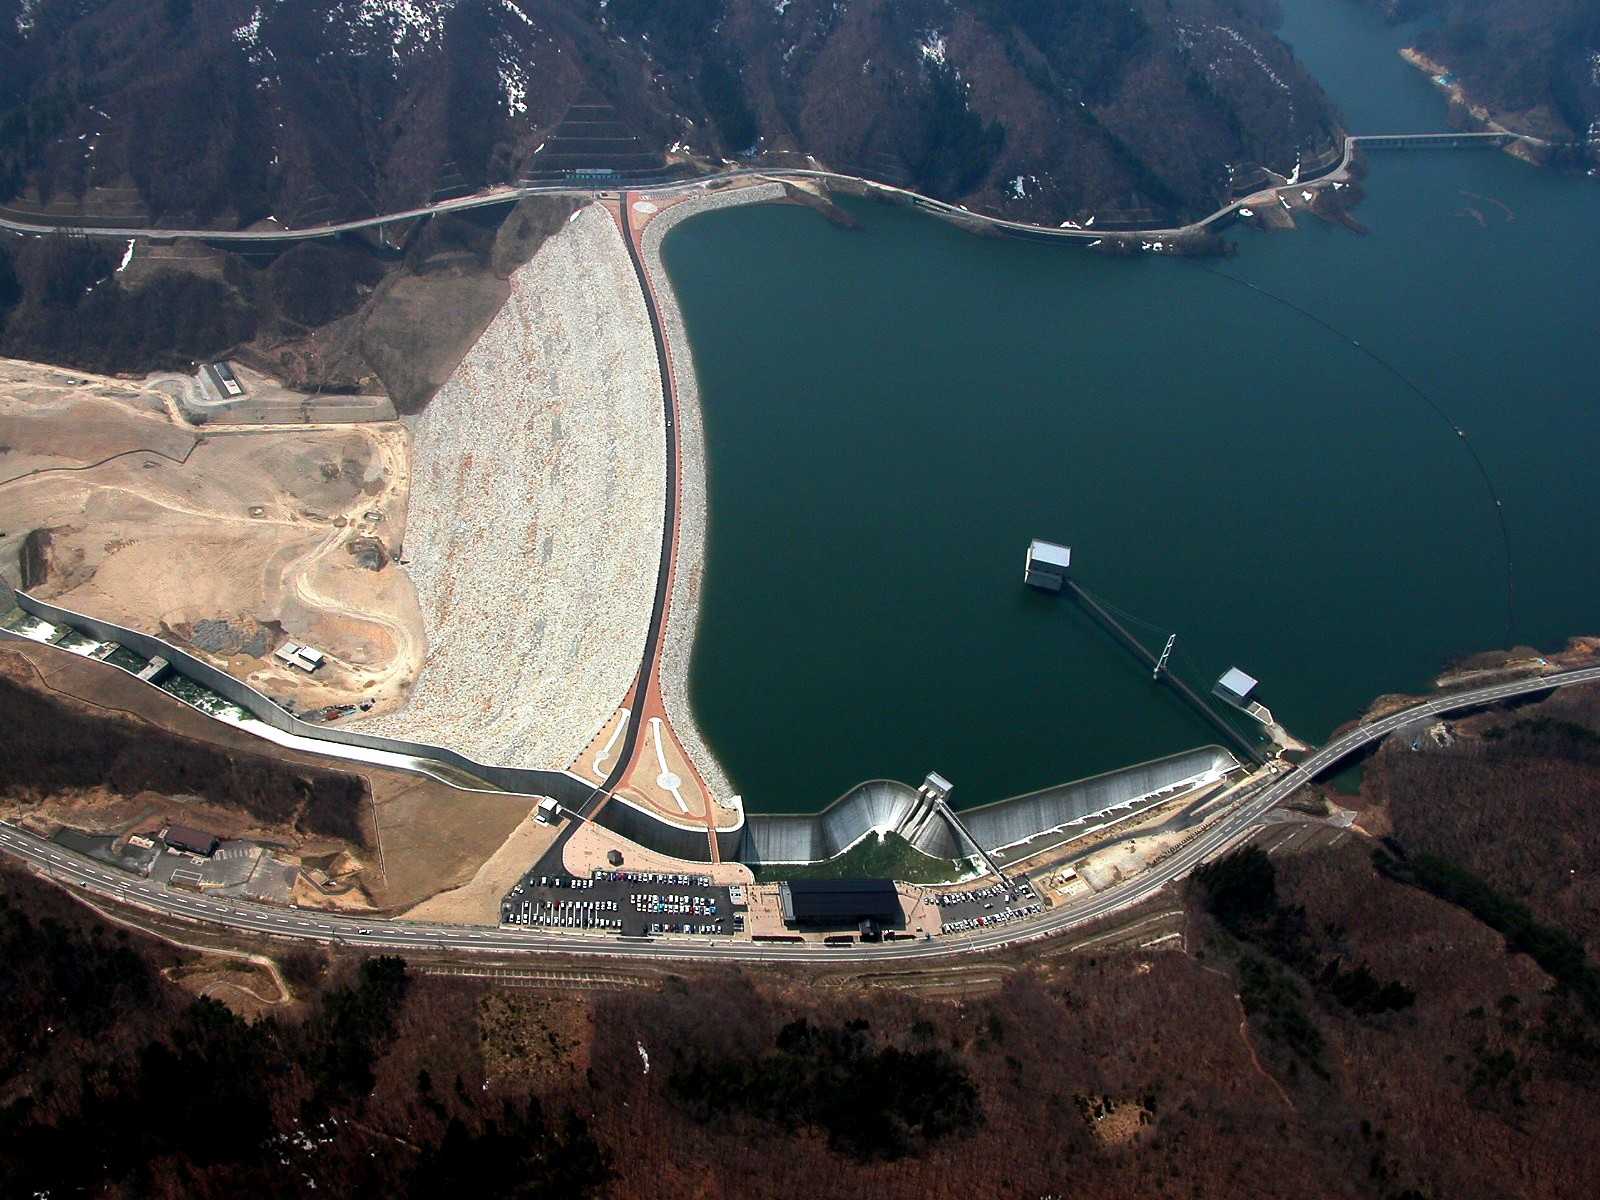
point(534, 532)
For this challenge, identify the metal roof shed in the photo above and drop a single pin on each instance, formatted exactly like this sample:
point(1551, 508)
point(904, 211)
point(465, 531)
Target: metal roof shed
point(1047, 565)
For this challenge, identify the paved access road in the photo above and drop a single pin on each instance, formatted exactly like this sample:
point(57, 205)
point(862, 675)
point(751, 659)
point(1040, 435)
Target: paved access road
point(76, 870)
point(645, 188)
point(1339, 171)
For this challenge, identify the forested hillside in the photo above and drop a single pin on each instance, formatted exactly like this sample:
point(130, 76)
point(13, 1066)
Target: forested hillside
point(230, 112)
point(1399, 1016)
point(1533, 63)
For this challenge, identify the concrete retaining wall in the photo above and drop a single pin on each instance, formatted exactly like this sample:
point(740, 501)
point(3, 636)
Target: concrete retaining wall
point(667, 837)
point(881, 804)
point(568, 789)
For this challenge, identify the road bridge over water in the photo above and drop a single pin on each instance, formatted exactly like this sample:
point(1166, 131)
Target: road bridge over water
point(1434, 141)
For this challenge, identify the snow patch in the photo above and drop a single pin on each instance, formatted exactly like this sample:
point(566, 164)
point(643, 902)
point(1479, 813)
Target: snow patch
point(248, 35)
point(419, 21)
point(514, 85)
point(932, 47)
point(515, 11)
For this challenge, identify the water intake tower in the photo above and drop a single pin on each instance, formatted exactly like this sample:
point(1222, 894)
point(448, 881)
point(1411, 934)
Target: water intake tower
point(1047, 565)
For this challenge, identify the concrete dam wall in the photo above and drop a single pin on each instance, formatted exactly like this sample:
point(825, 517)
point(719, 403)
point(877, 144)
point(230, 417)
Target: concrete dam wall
point(880, 805)
point(1007, 822)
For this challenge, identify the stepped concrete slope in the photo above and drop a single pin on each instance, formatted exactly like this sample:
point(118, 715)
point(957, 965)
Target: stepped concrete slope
point(887, 806)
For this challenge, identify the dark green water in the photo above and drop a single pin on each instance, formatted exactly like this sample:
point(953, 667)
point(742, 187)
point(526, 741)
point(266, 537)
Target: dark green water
point(893, 412)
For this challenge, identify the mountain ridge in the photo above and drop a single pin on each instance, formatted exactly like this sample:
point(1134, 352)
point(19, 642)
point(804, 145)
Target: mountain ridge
point(224, 114)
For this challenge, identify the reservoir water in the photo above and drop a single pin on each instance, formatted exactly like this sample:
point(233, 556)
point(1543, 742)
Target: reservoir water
point(1232, 448)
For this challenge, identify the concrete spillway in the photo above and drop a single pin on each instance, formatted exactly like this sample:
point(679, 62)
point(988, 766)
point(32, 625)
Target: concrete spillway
point(885, 806)
point(1009, 822)
point(880, 805)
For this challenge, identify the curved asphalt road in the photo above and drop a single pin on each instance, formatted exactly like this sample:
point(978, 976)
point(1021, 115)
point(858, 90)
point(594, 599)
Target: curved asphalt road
point(77, 870)
point(505, 195)
point(669, 530)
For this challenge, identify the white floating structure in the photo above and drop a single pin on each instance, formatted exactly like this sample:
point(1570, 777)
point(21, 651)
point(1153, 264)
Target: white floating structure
point(1047, 565)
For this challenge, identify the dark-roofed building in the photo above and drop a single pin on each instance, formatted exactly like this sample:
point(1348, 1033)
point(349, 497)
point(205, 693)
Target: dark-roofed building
point(227, 383)
point(195, 841)
point(869, 905)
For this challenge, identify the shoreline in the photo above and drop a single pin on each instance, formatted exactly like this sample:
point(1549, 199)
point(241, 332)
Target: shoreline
point(1443, 77)
point(683, 603)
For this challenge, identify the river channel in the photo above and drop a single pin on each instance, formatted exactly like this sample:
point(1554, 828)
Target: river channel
point(1233, 448)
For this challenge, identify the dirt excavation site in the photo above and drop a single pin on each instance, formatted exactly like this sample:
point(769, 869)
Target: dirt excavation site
point(226, 541)
point(478, 576)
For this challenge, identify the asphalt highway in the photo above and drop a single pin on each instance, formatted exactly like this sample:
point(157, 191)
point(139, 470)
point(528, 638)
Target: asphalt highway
point(644, 188)
point(78, 871)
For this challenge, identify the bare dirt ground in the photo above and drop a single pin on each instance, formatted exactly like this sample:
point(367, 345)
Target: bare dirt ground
point(223, 541)
point(537, 498)
point(477, 901)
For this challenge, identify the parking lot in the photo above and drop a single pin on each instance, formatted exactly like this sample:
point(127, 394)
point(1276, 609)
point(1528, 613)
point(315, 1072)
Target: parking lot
point(979, 908)
point(631, 903)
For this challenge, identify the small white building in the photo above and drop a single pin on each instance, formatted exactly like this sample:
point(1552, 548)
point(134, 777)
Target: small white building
point(1235, 687)
point(1047, 565)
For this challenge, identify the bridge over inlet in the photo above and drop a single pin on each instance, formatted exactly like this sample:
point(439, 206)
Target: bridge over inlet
point(1432, 141)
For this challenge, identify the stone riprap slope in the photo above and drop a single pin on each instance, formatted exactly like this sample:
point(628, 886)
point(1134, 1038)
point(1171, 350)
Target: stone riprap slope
point(534, 534)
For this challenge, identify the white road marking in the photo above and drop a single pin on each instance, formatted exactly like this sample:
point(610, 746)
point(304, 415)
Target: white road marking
point(605, 752)
point(666, 780)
